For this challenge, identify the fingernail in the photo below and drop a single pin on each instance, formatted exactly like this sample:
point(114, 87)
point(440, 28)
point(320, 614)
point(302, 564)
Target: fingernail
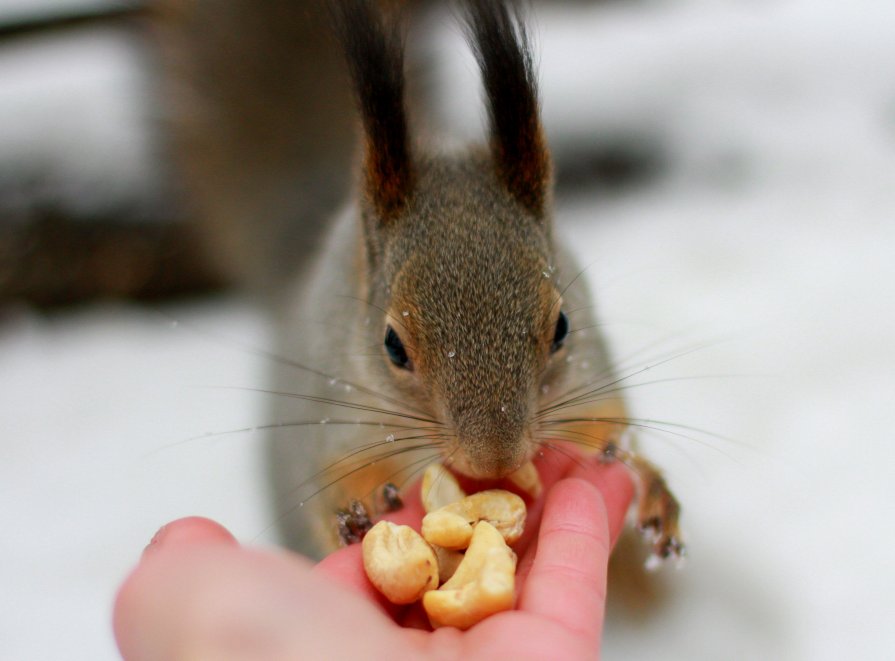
point(156, 539)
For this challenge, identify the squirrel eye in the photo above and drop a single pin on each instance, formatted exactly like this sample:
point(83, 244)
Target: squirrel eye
point(562, 330)
point(395, 348)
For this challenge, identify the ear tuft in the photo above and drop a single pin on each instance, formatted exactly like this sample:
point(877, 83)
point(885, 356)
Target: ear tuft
point(374, 50)
point(500, 43)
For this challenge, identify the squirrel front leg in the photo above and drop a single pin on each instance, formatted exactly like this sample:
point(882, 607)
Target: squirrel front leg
point(658, 511)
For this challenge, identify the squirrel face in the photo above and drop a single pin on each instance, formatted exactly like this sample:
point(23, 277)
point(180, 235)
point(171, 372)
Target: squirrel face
point(464, 275)
point(458, 248)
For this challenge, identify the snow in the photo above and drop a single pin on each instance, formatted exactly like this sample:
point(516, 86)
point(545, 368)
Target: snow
point(767, 247)
point(92, 403)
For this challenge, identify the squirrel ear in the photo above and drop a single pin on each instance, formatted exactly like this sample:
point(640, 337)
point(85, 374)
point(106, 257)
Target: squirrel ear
point(374, 50)
point(500, 43)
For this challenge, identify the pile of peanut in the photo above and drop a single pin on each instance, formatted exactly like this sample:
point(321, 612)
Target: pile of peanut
point(464, 549)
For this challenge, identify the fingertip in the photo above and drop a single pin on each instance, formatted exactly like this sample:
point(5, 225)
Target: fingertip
point(131, 595)
point(189, 530)
point(616, 488)
point(577, 499)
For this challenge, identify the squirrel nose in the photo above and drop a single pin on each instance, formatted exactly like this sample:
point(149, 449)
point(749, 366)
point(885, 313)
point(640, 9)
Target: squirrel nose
point(492, 448)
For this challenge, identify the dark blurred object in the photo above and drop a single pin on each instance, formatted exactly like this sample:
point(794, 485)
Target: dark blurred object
point(262, 126)
point(617, 166)
point(260, 122)
point(252, 134)
point(52, 254)
point(52, 260)
point(41, 20)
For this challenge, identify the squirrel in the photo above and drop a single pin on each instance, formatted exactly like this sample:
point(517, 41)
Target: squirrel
point(434, 319)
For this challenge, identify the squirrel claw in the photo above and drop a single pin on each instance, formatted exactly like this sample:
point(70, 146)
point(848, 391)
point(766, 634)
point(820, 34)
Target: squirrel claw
point(666, 547)
point(661, 529)
point(353, 522)
point(609, 454)
point(391, 498)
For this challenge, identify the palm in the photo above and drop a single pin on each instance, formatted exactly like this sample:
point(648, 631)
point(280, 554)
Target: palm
point(561, 577)
point(198, 594)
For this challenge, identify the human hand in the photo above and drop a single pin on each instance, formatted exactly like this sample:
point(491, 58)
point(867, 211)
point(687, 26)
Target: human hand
point(197, 594)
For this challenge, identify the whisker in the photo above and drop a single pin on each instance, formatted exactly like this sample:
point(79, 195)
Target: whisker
point(449, 460)
point(333, 402)
point(598, 394)
point(360, 450)
point(618, 366)
point(583, 307)
point(561, 450)
point(363, 466)
point(446, 461)
point(578, 275)
point(584, 328)
point(599, 444)
point(624, 420)
point(284, 425)
point(390, 478)
point(629, 423)
point(367, 464)
point(620, 454)
point(602, 388)
point(289, 362)
point(326, 486)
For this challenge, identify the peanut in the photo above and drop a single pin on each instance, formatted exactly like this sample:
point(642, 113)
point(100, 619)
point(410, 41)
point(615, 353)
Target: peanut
point(439, 488)
point(447, 529)
point(405, 566)
point(482, 585)
point(448, 561)
point(526, 479)
point(502, 509)
point(399, 563)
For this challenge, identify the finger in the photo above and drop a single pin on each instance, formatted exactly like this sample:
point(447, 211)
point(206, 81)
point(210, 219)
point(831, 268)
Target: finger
point(189, 530)
point(614, 483)
point(552, 466)
point(567, 581)
point(616, 487)
point(223, 601)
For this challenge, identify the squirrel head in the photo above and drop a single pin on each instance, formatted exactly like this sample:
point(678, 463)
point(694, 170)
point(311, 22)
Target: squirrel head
point(458, 249)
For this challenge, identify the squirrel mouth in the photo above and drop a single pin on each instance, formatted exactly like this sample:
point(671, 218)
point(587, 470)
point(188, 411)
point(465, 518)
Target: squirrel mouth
point(488, 460)
point(527, 487)
point(488, 471)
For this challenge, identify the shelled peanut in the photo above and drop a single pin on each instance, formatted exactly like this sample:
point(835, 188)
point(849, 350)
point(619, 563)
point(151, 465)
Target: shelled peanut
point(464, 546)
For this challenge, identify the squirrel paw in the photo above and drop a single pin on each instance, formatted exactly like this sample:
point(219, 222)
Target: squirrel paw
point(658, 513)
point(657, 520)
point(353, 522)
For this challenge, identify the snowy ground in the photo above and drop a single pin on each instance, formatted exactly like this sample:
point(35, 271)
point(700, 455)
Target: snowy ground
point(771, 240)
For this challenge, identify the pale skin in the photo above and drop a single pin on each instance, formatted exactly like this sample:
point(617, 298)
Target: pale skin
point(198, 594)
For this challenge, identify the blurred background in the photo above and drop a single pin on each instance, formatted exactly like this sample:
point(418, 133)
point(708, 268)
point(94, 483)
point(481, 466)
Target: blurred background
point(725, 168)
